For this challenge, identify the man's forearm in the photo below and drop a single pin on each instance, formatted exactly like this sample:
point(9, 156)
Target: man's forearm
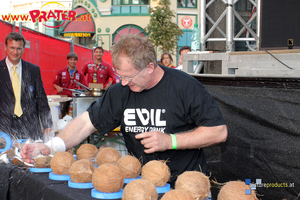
point(77, 130)
point(201, 137)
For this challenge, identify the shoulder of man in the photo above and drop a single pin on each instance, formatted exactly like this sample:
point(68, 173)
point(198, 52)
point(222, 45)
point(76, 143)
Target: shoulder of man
point(89, 62)
point(2, 62)
point(25, 64)
point(65, 69)
point(79, 72)
point(105, 63)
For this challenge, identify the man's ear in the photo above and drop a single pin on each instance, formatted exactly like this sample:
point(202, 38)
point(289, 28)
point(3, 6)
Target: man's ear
point(150, 68)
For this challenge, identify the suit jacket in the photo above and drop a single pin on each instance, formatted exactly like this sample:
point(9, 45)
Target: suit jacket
point(36, 112)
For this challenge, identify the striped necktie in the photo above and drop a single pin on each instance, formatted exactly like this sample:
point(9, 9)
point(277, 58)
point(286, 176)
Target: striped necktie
point(16, 83)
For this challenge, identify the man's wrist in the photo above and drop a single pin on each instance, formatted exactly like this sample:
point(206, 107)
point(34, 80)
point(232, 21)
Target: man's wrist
point(56, 144)
point(174, 141)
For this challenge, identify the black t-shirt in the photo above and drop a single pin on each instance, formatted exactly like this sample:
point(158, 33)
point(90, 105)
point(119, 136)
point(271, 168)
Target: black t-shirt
point(176, 104)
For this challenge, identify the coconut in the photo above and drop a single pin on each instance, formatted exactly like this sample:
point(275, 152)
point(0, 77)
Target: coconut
point(18, 145)
point(130, 166)
point(61, 162)
point(196, 183)
point(81, 171)
point(11, 153)
point(157, 172)
point(108, 178)
point(42, 161)
point(2, 143)
point(87, 151)
point(177, 194)
point(71, 151)
point(140, 189)
point(236, 190)
point(17, 161)
point(107, 155)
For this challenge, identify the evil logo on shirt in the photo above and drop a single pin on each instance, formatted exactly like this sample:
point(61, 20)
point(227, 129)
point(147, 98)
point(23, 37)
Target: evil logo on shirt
point(150, 117)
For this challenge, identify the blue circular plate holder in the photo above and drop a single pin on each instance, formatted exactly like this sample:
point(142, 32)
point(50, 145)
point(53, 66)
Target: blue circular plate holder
point(80, 185)
point(103, 195)
point(7, 141)
point(58, 177)
point(41, 170)
point(128, 180)
point(163, 189)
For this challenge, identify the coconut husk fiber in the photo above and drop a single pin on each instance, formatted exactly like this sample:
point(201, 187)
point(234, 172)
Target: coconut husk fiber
point(140, 189)
point(195, 182)
point(108, 178)
point(42, 161)
point(177, 194)
point(87, 151)
point(157, 172)
point(107, 155)
point(81, 171)
point(61, 162)
point(236, 190)
point(130, 166)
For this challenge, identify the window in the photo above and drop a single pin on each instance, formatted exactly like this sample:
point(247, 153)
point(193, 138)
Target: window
point(127, 29)
point(52, 31)
point(130, 2)
point(87, 41)
point(187, 3)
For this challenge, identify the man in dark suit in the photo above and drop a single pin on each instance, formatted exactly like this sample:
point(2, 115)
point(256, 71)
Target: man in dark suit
point(25, 113)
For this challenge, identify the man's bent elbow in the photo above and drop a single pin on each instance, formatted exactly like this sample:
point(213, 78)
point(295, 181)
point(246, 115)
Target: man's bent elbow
point(223, 133)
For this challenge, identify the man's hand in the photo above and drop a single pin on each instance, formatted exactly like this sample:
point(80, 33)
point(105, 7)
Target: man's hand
point(31, 150)
point(59, 89)
point(155, 141)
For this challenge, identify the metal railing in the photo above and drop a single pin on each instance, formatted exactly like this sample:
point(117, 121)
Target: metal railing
point(229, 36)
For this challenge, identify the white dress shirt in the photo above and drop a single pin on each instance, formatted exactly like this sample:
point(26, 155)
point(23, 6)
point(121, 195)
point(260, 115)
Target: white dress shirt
point(10, 68)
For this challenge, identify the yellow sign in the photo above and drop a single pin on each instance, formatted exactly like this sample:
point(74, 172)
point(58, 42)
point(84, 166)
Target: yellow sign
point(77, 35)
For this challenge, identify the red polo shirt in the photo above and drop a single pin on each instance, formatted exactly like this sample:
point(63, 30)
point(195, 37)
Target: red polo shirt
point(63, 79)
point(104, 73)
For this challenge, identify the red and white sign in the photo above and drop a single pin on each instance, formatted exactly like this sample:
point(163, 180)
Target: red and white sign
point(186, 22)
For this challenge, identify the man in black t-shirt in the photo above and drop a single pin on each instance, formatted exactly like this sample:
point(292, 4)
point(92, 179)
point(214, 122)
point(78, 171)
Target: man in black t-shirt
point(165, 114)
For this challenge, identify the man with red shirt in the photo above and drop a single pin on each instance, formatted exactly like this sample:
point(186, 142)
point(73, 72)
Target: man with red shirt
point(100, 71)
point(66, 77)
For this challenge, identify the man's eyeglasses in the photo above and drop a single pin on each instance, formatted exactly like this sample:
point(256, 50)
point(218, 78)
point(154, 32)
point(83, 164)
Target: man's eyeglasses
point(126, 78)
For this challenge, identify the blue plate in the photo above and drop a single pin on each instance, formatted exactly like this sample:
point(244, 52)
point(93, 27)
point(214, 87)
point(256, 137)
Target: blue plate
point(7, 140)
point(128, 180)
point(33, 169)
point(163, 189)
point(80, 185)
point(104, 195)
point(58, 177)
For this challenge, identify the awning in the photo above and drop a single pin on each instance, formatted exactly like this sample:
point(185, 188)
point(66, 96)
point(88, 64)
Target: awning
point(83, 24)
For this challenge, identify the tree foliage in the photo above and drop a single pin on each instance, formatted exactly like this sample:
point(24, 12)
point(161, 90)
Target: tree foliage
point(162, 31)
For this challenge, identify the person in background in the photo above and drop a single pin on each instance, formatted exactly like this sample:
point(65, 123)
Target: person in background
point(182, 50)
point(66, 78)
point(99, 71)
point(24, 112)
point(166, 60)
point(164, 114)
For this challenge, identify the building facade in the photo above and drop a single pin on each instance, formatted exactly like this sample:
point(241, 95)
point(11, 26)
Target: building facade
point(102, 22)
